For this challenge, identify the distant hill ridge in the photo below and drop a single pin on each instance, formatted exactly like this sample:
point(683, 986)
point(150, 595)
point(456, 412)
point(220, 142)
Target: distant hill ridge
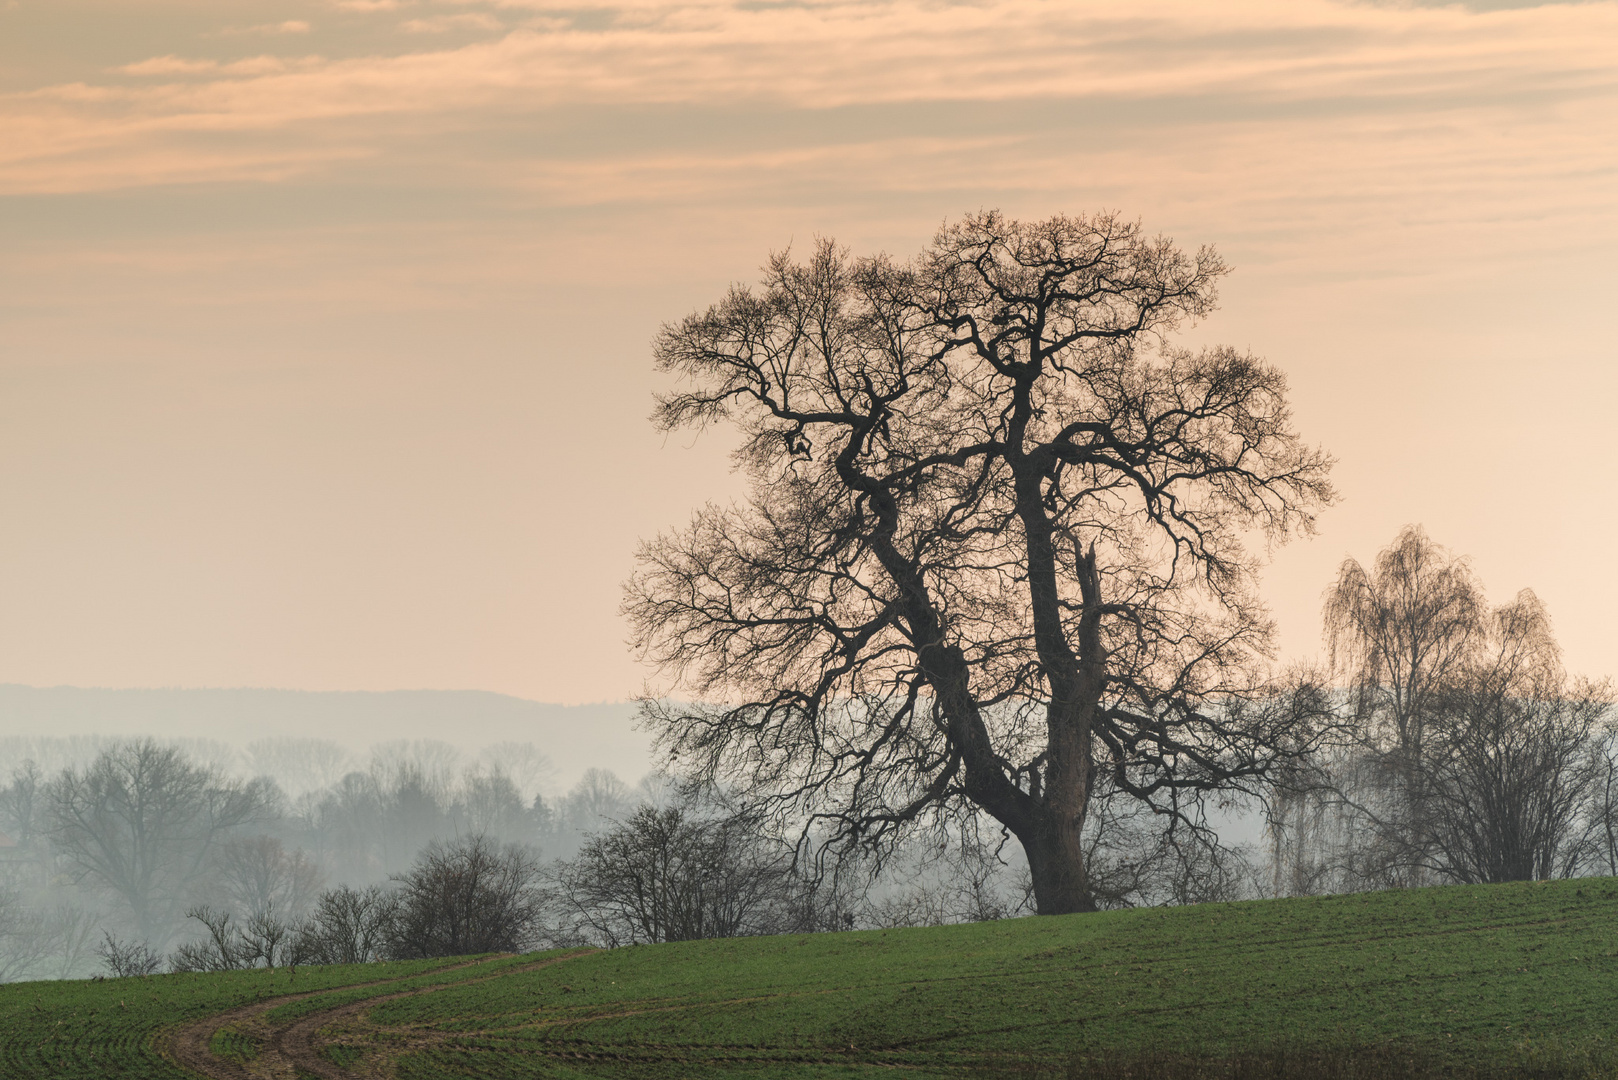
point(575, 737)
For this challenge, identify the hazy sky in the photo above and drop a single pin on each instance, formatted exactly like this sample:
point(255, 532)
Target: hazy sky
point(324, 325)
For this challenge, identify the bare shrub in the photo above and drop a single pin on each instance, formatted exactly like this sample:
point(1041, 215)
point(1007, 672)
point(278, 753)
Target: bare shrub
point(221, 950)
point(466, 896)
point(124, 959)
point(348, 926)
point(672, 875)
point(266, 937)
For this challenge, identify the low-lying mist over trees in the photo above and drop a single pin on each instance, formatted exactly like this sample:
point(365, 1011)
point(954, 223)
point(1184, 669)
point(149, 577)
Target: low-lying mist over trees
point(127, 837)
point(214, 723)
point(1453, 749)
point(138, 855)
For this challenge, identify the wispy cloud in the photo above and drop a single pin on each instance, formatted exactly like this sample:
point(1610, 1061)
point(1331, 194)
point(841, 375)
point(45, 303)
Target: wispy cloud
point(290, 26)
point(253, 65)
point(169, 65)
point(439, 24)
point(1309, 55)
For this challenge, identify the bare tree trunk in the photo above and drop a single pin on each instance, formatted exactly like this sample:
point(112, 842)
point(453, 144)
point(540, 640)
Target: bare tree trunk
point(1056, 862)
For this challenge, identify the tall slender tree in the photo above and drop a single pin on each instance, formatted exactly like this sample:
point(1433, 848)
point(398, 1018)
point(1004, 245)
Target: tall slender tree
point(1515, 765)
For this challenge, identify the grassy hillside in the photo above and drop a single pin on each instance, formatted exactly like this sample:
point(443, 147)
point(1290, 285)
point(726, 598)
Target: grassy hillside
point(1491, 976)
point(86, 1028)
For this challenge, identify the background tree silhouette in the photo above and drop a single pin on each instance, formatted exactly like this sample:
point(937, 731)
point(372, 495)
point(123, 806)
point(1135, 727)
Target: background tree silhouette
point(144, 823)
point(465, 896)
point(994, 544)
point(1476, 758)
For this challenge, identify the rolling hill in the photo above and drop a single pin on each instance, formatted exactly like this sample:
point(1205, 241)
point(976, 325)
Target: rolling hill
point(1489, 980)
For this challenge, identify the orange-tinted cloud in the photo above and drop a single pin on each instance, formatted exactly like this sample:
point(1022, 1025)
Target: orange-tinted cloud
point(1371, 59)
point(287, 26)
point(440, 24)
point(253, 65)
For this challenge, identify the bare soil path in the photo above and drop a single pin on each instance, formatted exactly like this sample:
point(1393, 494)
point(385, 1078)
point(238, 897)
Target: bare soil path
point(287, 1052)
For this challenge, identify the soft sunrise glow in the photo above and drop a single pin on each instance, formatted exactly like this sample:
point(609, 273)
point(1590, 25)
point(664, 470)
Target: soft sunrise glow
point(325, 325)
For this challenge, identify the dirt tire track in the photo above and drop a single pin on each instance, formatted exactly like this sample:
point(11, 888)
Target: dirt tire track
point(299, 1045)
point(293, 1049)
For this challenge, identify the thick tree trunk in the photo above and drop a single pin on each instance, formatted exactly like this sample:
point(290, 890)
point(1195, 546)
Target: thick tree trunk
point(1056, 863)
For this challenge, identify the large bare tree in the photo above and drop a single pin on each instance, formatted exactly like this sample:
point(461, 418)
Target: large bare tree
point(995, 542)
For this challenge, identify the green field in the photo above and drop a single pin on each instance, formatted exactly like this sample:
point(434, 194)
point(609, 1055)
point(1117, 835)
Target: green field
point(1495, 977)
point(87, 1028)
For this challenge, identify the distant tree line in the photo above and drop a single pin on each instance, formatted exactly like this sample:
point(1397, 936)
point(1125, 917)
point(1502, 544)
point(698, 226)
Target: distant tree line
point(148, 844)
point(1451, 747)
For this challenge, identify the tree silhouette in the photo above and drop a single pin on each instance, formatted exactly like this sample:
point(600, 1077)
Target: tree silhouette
point(1478, 759)
point(146, 824)
point(994, 543)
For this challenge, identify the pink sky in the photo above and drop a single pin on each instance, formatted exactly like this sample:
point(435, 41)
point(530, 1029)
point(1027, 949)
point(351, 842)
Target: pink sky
point(324, 325)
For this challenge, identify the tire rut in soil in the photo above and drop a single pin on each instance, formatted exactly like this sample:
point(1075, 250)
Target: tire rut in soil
point(289, 1051)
